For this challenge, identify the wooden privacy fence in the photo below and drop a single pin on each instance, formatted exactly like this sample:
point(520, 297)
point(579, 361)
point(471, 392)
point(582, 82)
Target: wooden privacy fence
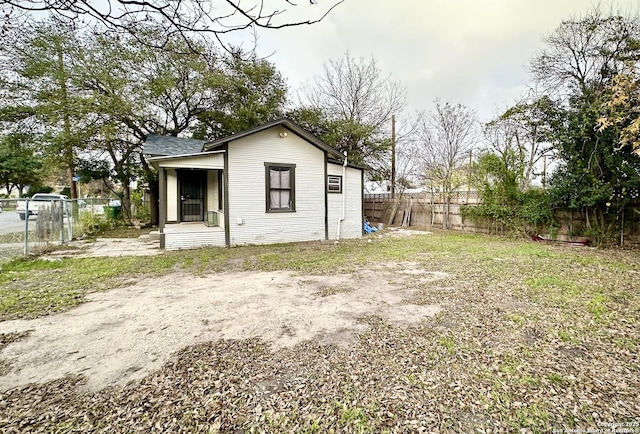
point(432, 210)
point(420, 209)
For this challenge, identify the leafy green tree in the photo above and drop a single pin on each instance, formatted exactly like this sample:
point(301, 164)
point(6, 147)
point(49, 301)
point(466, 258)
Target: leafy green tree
point(596, 176)
point(522, 136)
point(19, 165)
point(249, 92)
point(505, 207)
point(39, 80)
point(96, 95)
point(138, 90)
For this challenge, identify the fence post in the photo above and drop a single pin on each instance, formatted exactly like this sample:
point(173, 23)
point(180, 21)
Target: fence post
point(26, 227)
point(60, 206)
point(68, 207)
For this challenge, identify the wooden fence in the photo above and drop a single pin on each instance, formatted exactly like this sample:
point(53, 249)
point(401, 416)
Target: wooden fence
point(419, 209)
point(428, 210)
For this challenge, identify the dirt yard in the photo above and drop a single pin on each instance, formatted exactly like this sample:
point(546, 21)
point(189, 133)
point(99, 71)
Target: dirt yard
point(124, 334)
point(399, 332)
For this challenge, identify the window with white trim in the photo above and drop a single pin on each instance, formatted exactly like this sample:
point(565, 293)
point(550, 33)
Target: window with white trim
point(280, 187)
point(334, 184)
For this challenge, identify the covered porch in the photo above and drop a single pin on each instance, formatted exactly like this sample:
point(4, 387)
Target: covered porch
point(191, 200)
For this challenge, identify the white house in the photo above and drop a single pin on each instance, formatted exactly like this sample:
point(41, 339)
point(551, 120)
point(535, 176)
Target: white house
point(274, 183)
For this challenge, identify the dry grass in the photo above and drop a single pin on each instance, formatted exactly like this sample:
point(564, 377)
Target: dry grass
point(531, 337)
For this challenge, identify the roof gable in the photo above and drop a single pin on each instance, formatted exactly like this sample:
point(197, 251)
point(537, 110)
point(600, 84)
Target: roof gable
point(157, 145)
point(284, 122)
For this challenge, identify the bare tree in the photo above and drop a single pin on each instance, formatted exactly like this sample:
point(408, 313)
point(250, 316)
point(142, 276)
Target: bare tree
point(183, 17)
point(586, 51)
point(357, 90)
point(446, 137)
point(358, 100)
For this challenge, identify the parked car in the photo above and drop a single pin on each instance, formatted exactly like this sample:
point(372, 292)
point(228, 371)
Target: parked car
point(35, 202)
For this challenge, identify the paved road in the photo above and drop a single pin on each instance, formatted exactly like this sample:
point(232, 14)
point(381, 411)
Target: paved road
point(10, 222)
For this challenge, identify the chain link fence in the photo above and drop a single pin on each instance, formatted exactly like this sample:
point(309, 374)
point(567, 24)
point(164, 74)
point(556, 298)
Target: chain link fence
point(30, 226)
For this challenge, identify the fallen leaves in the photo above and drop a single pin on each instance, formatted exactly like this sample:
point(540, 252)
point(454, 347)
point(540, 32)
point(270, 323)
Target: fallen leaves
point(502, 356)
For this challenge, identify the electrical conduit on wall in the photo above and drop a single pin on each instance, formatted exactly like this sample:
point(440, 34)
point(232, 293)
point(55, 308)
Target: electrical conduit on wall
point(344, 196)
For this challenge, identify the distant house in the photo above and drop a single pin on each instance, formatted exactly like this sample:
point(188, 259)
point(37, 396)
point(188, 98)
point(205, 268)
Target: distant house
point(271, 184)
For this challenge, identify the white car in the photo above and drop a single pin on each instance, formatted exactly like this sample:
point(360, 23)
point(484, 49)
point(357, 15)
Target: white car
point(35, 201)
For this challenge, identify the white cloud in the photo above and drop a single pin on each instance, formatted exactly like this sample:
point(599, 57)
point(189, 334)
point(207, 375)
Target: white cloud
point(469, 51)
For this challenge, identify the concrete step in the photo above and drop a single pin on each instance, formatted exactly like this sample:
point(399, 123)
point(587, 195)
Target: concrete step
point(154, 236)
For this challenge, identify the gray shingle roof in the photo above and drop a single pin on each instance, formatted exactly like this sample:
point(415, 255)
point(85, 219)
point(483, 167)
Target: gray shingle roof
point(157, 145)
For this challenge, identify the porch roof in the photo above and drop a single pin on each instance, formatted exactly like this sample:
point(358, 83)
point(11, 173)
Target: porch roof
point(157, 145)
point(180, 156)
point(198, 160)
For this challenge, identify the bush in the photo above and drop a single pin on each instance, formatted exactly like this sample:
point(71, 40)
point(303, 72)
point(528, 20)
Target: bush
point(520, 214)
point(93, 225)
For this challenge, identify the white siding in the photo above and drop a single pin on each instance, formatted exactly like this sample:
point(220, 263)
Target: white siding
point(172, 196)
point(249, 222)
point(351, 227)
point(193, 240)
point(207, 161)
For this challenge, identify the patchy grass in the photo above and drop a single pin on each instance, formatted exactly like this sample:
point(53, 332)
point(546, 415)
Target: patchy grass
point(122, 231)
point(531, 337)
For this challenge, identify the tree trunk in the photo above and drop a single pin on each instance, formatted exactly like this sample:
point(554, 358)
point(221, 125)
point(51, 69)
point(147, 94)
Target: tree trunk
point(151, 176)
point(154, 197)
point(69, 157)
point(126, 203)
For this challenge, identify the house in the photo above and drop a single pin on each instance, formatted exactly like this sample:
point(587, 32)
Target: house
point(275, 183)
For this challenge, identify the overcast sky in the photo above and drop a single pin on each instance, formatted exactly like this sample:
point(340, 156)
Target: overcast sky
point(473, 52)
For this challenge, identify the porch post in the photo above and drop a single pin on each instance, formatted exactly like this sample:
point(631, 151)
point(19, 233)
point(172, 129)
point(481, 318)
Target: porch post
point(225, 195)
point(162, 181)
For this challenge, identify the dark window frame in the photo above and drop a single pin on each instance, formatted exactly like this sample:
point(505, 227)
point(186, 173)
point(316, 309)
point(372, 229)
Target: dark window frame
point(292, 187)
point(339, 177)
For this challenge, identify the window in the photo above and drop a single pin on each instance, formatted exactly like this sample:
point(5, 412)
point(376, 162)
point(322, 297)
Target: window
point(280, 187)
point(334, 184)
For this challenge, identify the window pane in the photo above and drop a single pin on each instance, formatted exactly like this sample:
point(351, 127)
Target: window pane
point(274, 197)
point(279, 199)
point(284, 178)
point(274, 178)
point(284, 198)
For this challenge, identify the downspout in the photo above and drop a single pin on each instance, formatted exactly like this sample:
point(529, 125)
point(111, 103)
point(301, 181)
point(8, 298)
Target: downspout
point(344, 195)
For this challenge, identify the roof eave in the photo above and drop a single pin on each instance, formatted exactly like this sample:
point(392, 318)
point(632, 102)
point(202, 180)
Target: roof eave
point(351, 165)
point(172, 157)
point(287, 123)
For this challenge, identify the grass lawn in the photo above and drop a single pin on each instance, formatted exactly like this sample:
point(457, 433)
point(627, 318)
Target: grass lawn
point(530, 336)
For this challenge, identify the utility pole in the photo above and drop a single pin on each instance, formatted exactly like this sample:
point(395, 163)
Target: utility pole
point(469, 174)
point(393, 156)
point(544, 173)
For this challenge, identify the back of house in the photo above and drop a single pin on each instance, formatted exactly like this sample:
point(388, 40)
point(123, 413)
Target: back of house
point(274, 183)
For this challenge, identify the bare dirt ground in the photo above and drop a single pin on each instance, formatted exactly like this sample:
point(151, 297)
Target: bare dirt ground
point(124, 334)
